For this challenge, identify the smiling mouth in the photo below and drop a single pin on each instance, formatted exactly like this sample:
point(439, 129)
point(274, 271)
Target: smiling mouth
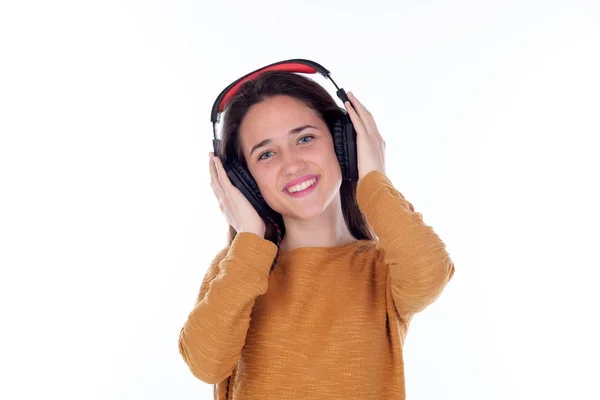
point(303, 188)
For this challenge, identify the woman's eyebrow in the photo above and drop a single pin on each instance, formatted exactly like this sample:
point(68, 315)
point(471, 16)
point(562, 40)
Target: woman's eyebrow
point(292, 132)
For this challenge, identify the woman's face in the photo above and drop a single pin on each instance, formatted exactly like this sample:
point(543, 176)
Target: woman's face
point(288, 147)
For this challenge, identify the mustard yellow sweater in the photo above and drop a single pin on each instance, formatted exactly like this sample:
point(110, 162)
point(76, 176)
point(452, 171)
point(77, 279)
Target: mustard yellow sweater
point(328, 322)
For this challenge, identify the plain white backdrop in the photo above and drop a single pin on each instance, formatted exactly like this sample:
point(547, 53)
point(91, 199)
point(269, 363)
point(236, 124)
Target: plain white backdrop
point(490, 111)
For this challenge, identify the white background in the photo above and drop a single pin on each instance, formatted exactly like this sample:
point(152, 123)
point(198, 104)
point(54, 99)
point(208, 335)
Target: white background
point(490, 111)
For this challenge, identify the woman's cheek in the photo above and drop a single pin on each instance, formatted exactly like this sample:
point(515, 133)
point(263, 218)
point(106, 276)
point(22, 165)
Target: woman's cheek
point(267, 182)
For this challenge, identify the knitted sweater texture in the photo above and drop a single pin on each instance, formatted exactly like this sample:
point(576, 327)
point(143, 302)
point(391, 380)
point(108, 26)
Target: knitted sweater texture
point(328, 322)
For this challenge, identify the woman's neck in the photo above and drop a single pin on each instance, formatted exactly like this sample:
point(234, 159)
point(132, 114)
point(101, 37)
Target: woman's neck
point(291, 241)
point(328, 229)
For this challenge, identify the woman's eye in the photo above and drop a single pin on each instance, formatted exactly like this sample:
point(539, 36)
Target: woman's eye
point(261, 157)
point(307, 136)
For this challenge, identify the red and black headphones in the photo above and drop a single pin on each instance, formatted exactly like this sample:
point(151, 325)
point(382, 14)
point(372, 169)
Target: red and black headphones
point(344, 138)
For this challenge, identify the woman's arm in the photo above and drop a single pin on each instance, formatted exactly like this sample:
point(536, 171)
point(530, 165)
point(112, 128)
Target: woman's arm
point(419, 264)
point(212, 338)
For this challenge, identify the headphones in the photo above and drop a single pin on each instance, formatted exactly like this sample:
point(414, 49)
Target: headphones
point(340, 125)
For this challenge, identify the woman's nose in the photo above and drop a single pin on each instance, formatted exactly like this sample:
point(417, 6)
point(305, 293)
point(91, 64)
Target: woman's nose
point(292, 163)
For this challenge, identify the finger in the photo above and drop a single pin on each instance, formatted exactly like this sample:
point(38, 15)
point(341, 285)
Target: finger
point(223, 178)
point(359, 107)
point(217, 197)
point(358, 125)
point(214, 179)
point(365, 115)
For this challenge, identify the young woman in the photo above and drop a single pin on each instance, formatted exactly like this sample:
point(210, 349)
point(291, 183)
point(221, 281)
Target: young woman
point(355, 264)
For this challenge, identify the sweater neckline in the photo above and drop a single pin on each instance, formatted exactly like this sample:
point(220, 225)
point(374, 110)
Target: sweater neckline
point(317, 250)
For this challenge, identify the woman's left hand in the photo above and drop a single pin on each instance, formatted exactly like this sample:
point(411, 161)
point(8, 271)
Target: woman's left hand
point(370, 145)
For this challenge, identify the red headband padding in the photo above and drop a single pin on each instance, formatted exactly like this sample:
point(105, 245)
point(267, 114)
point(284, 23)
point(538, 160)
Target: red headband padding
point(289, 67)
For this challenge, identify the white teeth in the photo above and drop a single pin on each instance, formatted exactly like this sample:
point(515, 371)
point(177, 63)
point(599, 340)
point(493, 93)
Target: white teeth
point(302, 186)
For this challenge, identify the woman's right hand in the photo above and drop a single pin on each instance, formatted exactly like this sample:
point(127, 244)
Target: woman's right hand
point(233, 204)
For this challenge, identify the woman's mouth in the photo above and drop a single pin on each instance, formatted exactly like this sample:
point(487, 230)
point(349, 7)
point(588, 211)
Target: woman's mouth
point(304, 188)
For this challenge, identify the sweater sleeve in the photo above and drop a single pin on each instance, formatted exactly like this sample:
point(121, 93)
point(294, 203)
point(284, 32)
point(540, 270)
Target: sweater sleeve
point(419, 264)
point(214, 333)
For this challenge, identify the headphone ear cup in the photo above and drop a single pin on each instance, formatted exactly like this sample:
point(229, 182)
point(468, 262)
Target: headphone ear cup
point(337, 131)
point(241, 178)
point(344, 142)
point(351, 149)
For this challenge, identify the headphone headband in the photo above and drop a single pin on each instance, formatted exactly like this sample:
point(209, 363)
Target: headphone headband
point(294, 65)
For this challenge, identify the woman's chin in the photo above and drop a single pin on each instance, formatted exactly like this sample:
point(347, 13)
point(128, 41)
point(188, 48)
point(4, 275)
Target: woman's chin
point(306, 214)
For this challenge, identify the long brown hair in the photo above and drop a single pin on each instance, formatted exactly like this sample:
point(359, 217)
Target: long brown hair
point(273, 83)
